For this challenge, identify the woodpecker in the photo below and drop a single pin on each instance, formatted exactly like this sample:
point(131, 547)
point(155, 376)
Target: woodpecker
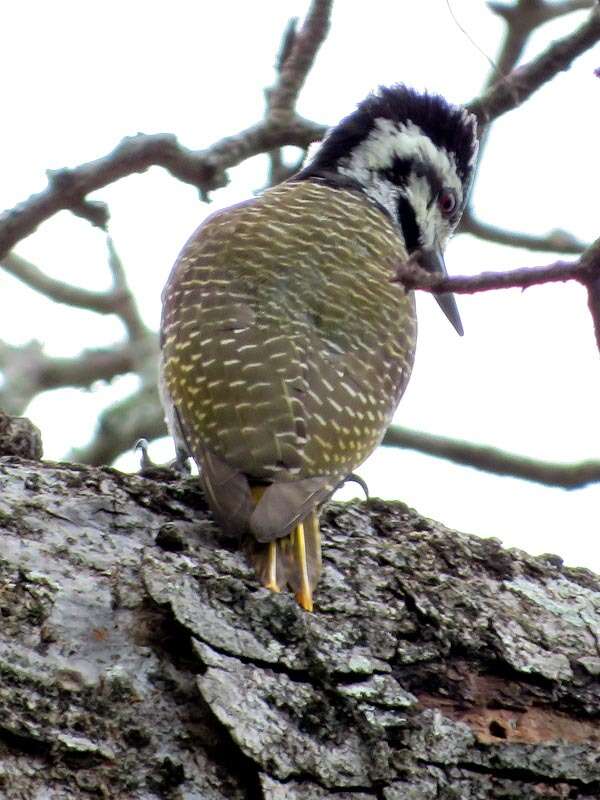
point(285, 345)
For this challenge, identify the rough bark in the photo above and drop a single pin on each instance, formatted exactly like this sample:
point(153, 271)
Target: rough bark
point(140, 659)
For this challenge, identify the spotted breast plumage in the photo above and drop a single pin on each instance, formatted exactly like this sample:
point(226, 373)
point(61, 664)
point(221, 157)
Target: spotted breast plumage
point(285, 346)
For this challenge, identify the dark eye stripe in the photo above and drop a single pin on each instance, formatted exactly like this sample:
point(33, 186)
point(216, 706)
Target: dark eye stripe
point(402, 168)
point(408, 223)
point(399, 171)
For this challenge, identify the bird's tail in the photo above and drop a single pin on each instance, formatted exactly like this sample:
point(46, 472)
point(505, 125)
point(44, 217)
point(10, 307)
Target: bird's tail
point(293, 560)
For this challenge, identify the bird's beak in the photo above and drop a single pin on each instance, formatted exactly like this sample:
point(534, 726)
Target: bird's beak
point(431, 259)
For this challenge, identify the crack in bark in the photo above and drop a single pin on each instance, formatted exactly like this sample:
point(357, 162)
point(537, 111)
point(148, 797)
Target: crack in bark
point(297, 697)
point(520, 774)
point(25, 743)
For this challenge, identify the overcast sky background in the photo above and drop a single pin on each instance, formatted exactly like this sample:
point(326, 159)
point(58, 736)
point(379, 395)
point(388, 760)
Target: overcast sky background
point(78, 77)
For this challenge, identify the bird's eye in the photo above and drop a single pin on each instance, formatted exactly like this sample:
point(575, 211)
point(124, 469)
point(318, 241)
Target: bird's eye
point(446, 201)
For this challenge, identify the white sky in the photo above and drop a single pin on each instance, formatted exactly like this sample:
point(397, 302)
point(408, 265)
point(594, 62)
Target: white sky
point(79, 77)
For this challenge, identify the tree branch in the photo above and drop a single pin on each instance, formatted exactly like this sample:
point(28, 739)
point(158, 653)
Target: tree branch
point(522, 19)
point(557, 241)
point(58, 291)
point(296, 59)
point(67, 188)
point(494, 460)
point(436, 664)
point(125, 305)
point(279, 170)
point(414, 277)
point(513, 90)
point(205, 169)
point(93, 365)
point(118, 301)
point(584, 270)
point(593, 290)
point(141, 416)
point(119, 427)
point(27, 371)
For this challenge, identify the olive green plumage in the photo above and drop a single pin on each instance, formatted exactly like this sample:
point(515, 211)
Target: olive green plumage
point(286, 346)
point(286, 349)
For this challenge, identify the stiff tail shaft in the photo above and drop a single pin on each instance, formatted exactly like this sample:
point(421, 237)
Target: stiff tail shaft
point(293, 560)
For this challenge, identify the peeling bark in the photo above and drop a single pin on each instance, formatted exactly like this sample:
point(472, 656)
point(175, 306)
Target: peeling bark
point(140, 659)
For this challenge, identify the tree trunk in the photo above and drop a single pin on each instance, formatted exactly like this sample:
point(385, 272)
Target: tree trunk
point(140, 659)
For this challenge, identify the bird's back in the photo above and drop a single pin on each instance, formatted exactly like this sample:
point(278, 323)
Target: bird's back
point(286, 348)
point(285, 344)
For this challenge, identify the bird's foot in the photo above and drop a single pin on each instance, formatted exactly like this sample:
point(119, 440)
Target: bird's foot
point(146, 462)
point(354, 478)
point(149, 469)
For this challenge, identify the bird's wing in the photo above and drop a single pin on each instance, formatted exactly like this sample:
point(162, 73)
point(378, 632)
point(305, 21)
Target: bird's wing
point(272, 336)
point(228, 492)
point(235, 370)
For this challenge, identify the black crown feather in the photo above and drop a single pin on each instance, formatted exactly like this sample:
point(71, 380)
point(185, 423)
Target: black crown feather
point(448, 126)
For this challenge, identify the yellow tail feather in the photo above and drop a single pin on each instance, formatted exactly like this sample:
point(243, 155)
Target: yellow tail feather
point(293, 560)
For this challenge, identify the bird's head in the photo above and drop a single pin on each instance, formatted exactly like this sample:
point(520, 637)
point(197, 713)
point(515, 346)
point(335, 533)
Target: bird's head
point(413, 155)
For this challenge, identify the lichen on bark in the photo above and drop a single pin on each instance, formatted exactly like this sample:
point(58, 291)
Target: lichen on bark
point(139, 657)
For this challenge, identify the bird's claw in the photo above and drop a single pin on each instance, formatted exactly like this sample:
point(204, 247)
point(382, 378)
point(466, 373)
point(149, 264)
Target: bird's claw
point(354, 478)
point(145, 460)
point(179, 465)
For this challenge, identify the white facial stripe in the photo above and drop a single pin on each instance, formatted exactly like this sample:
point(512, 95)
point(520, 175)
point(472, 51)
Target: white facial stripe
point(389, 140)
point(418, 192)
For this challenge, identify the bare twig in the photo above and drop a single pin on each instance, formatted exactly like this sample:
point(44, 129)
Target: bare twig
point(593, 288)
point(119, 427)
point(491, 459)
point(141, 415)
point(125, 304)
point(68, 188)
point(94, 365)
point(119, 300)
point(296, 58)
point(94, 211)
point(584, 270)
point(517, 87)
point(287, 42)
point(27, 371)
point(522, 18)
point(278, 169)
point(556, 241)
point(261, 138)
point(60, 292)
point(205, 169)
point(294, 61)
